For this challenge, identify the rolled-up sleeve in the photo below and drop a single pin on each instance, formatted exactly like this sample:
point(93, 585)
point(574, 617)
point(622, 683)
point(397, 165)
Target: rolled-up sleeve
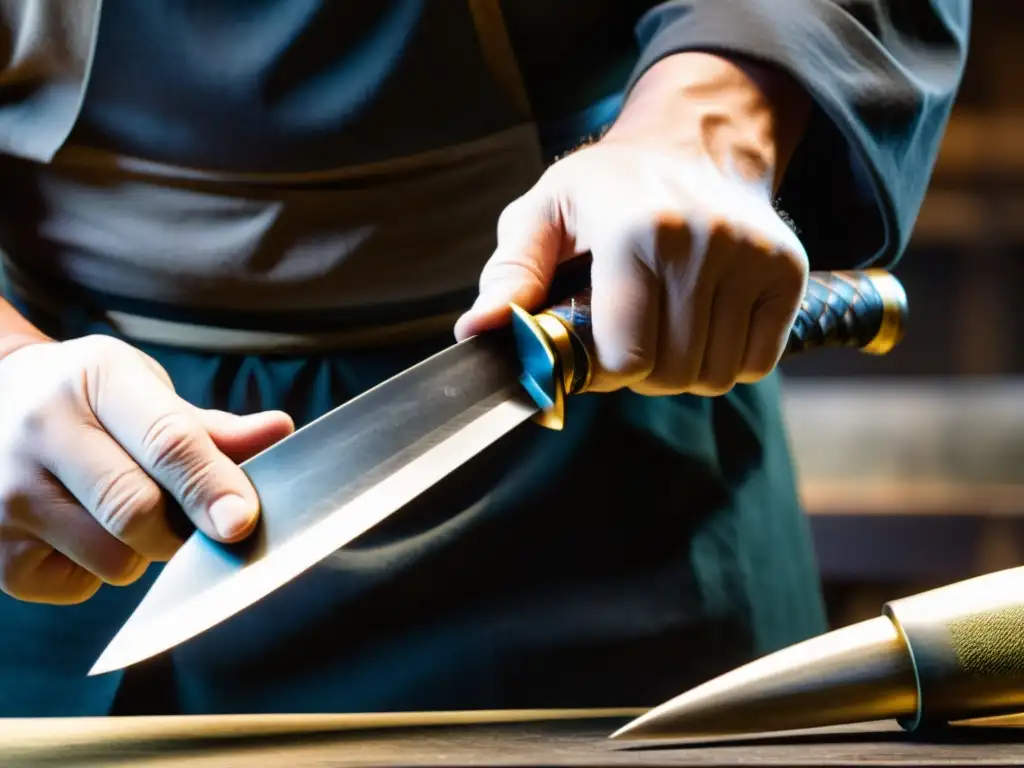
point(883, 77)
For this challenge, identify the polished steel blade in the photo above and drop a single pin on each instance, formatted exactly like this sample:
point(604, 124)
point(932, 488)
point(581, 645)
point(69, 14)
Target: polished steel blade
point(328, 483)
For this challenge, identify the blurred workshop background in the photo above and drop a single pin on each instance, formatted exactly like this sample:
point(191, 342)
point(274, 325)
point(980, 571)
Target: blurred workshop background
point(912, 465)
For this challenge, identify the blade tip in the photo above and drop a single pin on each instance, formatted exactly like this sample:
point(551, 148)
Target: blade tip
point(107, 662)
point(101, 667)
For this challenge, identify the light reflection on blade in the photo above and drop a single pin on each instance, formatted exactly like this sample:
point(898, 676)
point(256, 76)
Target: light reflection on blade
point(329, 483)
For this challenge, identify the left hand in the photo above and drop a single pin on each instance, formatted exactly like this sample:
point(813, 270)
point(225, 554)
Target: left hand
point(696, 278)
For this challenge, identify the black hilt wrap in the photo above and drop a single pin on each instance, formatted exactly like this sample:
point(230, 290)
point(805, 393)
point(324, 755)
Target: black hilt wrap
point(865, 310)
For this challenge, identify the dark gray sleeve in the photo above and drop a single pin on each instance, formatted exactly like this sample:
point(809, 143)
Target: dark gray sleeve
point(883, 76)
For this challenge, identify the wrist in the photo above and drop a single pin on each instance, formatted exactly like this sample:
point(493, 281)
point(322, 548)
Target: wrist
point(17, 332)
point(11, 343)
point(747, 118)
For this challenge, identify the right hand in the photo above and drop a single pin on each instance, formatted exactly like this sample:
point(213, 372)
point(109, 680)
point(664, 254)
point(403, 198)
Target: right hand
point(92, 435)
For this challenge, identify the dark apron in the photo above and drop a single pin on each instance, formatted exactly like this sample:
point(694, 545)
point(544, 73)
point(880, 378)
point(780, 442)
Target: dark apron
point(652, 544)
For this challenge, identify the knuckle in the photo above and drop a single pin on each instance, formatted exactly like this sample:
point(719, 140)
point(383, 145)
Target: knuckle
point(791, 267)
point(197, 485)
point(558, 172)
point(175, 450)
point(35, 428)
point(99, 347)
point(759, 365)
point(673, 384)
point(675, 375)
point(80, 594)
point(500, 270)
point(523, 212)
point(95, 357)
point(723, 232)
point(509, 216)
point(123, 498)
point(170, 443)
point(717, 377)
point(665, 228)
point(126, 570)
point(679, 367)
point(505, 222)
point(758, 371)
point(13, 576)
point(15, 506)
point(631, 362)
point(28, 413)
point(787, 268)
point(657, 235)
point(722, 227)
point(717, 385)
point(673, 233)
point(668, 221)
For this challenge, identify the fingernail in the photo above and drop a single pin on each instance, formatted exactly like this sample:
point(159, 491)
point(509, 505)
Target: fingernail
point(232, 515)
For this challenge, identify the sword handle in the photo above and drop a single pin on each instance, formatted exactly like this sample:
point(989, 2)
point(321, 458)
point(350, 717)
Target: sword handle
point(865, 310)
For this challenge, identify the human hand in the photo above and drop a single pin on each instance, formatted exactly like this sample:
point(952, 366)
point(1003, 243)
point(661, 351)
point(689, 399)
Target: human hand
point(696, 279)
point(91, 431)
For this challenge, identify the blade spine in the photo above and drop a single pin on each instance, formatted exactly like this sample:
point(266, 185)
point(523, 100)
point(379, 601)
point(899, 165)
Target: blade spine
point(405, 373)
point(515, 398)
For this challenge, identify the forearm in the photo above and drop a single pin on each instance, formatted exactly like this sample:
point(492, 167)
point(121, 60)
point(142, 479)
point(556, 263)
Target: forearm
point(748, 118)
point(881, 77)
point(15, 331)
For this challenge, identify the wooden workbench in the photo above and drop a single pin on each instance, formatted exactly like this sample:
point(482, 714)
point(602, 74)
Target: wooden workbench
point(393, 741)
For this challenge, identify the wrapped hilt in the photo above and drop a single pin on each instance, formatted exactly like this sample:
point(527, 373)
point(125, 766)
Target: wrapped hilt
point(866, 310)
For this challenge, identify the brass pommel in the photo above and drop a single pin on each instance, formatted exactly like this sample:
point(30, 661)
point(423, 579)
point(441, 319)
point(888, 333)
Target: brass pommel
point(893, 324)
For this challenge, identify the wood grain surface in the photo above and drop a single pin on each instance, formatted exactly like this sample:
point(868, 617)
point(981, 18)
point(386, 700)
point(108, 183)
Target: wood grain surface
point(535, 739)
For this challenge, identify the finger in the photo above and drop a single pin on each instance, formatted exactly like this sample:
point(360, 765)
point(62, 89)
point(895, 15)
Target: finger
point(728, 329)
point(32, 571)
point(772, 319)
point(242, 437)
point(625, 307)
point(690, 273)
point(162, 433)
point(531, 243)
point(57, 518)
point(122, 500)
point(770, 325)
point(776, 307)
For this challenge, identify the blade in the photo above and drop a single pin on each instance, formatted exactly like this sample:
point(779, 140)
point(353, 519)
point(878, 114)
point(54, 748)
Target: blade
point(328, 483)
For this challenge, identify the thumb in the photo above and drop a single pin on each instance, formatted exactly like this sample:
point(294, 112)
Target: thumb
point(531, 242)
point(242, 437)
